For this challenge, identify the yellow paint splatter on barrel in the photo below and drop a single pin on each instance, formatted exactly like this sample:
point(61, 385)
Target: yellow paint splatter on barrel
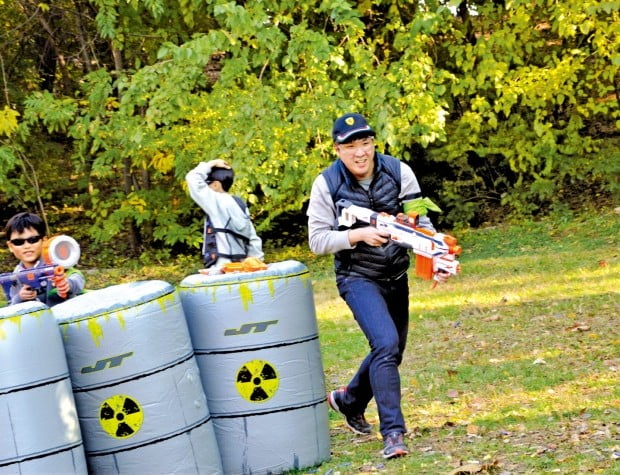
point(96, 332)
point(16, 320)
point(64, 330)
point(166, 301)
point(2, 332)
point(246, 296)
point(121, 319)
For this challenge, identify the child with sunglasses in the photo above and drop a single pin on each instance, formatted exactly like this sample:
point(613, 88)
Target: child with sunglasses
point(25, 234)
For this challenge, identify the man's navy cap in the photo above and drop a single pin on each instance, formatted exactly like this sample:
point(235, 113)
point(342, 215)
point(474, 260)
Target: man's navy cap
point(349, 127)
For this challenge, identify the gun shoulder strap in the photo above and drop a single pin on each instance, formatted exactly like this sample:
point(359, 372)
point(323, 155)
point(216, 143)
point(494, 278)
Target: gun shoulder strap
point(240, 202)
point(210, 252)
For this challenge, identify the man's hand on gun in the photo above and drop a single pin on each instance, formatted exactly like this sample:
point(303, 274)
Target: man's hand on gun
point(441, 277)
point(368, 234)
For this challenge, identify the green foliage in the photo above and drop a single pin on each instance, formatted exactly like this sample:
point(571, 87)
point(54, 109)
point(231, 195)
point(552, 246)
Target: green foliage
point(513, 105)
point(533, 87)
point(421, 206)
point(8, 121)
point(54, 114)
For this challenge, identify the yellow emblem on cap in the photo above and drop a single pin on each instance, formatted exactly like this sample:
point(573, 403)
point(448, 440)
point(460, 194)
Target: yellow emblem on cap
point(349, 121)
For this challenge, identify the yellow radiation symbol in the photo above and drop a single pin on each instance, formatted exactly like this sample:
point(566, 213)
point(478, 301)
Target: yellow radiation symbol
point(257, 381)
point(120, 416)
point(349, 121)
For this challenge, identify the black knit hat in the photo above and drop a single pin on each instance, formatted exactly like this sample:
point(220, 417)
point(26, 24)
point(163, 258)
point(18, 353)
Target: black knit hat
point(225, 176)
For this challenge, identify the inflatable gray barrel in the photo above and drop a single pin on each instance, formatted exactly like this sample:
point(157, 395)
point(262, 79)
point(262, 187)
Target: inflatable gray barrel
point(136, 382)
point(256, 341)
point(39, 428)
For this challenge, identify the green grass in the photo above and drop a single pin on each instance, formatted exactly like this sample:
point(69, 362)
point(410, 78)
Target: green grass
point(511, 367)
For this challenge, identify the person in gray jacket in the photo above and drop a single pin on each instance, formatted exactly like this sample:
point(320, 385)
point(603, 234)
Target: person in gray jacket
point(229, 233)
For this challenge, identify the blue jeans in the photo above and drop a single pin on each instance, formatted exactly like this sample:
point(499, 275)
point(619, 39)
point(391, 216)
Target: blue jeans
point(381, 309)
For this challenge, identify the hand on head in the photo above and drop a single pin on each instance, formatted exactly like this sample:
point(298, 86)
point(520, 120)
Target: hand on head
point(219, 163)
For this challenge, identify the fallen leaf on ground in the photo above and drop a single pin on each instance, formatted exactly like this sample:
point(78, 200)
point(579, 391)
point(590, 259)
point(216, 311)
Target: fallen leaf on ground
point(492, 318)
point(578, 327)
point(472, 429)
point(467, 468)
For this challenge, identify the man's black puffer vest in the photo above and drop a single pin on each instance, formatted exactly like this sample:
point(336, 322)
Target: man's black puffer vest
point(383, 262)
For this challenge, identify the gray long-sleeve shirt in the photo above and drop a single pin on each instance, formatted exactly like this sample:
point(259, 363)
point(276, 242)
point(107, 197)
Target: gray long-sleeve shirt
point(224, 212)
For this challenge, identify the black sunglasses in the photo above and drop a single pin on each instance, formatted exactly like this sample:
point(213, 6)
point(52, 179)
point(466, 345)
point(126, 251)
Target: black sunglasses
point(22, 241)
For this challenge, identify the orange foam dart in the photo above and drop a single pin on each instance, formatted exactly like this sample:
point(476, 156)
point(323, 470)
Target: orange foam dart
point(232, 267)
point(249, 264)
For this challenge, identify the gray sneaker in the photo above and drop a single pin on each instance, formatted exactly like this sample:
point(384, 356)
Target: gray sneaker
point(394, 446)
point(356, 422)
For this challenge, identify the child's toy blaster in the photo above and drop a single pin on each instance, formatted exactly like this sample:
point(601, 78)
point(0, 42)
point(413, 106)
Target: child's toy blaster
point(37, 278)
point(59, 252)
point(435, 252)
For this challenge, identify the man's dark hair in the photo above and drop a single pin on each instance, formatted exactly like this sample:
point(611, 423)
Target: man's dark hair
point(22, 221)
point(224, 175)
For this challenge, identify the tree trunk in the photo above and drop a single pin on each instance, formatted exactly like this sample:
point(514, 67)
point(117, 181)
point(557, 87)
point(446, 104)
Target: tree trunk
point(127, 177)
